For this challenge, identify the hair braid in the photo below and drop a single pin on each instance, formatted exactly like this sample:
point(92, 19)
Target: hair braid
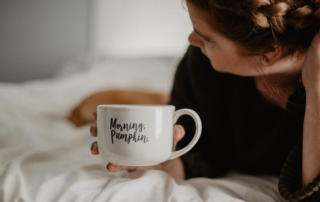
point(301, 17)
point(280, 15)
point(276, 16)
point(257, 24)
point(258, 17)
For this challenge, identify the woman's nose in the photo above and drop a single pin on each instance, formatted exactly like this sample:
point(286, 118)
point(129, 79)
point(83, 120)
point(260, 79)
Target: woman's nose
point(195, 40)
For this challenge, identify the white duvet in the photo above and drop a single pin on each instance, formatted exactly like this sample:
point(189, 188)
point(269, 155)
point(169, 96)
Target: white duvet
point(44, 158)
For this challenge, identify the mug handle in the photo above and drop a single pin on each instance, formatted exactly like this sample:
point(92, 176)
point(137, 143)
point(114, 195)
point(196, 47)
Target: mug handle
point(196, 137)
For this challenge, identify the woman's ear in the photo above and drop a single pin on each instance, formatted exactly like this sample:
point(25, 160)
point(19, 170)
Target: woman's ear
point(271, 57)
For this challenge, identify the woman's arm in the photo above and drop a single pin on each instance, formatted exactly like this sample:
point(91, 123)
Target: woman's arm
point(311, 137)
point(311, 128)
point(306, 153)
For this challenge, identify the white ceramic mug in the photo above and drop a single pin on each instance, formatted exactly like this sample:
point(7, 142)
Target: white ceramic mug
point(140, 135)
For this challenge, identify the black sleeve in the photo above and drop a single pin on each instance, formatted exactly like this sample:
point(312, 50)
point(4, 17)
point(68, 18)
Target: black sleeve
point(183, 96)
point(290, 181)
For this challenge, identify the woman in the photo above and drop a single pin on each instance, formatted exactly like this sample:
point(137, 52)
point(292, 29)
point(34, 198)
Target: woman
point(252, 74)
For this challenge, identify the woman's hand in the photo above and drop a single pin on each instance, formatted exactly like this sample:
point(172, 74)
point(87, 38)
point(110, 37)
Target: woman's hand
point(174, 167)
point(311, 66)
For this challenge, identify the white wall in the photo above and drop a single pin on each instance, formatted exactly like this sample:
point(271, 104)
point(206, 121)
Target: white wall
point(139, 28)
point(36, 36)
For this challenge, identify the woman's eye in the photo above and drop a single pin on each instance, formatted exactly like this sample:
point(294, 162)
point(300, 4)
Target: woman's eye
point(208, 40)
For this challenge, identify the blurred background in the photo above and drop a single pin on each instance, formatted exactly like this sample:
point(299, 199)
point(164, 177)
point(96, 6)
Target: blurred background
point(37, 37)
point(59, 59)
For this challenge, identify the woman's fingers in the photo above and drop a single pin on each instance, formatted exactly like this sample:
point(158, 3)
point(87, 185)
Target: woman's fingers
point(179, 133)
point(95, 116)
point(114, 168)
point(93, 129)
point(94, 148)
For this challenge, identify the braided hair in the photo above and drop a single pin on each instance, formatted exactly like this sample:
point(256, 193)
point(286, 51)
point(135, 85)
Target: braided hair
point(258, 25)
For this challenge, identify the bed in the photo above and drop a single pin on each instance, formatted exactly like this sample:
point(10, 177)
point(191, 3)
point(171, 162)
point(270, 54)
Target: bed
point(44, 157)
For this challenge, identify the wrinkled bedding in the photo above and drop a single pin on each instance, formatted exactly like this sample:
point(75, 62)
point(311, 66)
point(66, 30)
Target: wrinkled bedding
point(44, 157)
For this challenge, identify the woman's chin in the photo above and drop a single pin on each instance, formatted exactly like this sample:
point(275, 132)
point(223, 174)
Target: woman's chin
point(228, 71)
point(218, 69)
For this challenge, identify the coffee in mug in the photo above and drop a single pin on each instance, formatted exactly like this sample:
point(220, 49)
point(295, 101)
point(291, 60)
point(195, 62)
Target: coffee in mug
point(140, 135)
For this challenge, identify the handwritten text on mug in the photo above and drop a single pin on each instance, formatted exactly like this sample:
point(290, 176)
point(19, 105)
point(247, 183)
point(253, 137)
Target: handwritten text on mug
point(127, 127)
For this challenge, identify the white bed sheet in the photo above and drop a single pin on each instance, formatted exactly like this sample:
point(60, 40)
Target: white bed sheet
point(44, 158)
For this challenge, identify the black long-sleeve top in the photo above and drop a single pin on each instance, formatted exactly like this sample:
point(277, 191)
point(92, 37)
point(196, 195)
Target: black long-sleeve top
point(242, 131)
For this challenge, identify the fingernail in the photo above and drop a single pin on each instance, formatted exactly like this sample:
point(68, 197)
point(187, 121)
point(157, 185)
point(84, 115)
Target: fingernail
point(91, 129)
point(92, 145)
point(107, 166)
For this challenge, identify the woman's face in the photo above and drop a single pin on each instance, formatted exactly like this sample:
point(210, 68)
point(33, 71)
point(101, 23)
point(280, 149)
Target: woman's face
point(223, 53)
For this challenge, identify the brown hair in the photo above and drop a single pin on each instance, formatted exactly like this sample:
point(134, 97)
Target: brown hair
point(257, 25)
